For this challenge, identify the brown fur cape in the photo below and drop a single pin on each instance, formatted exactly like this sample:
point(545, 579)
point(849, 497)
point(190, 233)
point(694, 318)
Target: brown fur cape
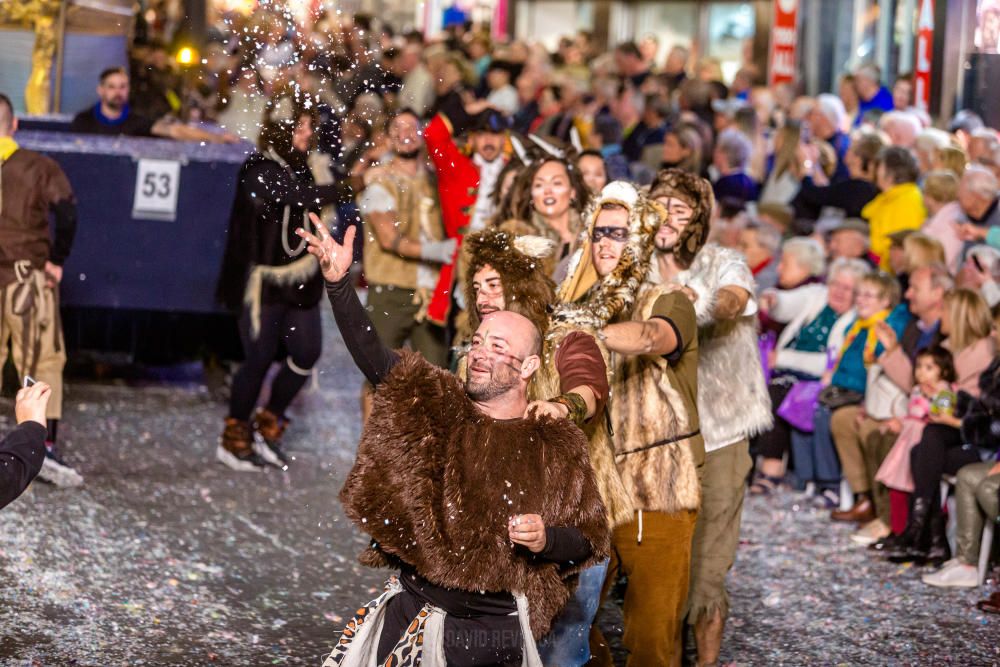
point(436, 481)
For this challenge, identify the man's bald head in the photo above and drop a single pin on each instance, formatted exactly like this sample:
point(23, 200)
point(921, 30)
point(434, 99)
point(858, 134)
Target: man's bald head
point(524, 335)
point(502, 358)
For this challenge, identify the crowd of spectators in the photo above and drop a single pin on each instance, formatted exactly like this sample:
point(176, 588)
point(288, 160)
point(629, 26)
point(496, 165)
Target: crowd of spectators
point(873, 233)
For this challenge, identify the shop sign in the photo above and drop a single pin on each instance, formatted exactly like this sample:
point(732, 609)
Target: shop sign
point(784, 39)
point(925, 53)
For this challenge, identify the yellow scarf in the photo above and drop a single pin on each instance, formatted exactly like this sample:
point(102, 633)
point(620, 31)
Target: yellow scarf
point(7, 147)
point(866, 325)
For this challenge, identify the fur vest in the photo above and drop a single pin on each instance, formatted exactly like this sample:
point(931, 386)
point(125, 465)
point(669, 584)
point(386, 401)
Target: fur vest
point(546, 384)
point(647, 409)
point(733, 402)
point(436, 481)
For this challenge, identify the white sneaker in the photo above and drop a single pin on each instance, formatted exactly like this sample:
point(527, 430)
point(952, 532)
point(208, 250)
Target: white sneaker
point(871, 532)
point(949, 564)
point(959, 575)
point(252, 463)
point(59, 474)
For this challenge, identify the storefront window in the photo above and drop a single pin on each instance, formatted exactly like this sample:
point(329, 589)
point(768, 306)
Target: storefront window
point(672, 23)
point(731, 27)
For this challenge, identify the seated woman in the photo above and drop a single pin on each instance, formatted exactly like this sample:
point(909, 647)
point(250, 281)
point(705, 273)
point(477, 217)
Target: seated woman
point(942, 450)
point(802, 263)
point(815, 456)
point(817, 318)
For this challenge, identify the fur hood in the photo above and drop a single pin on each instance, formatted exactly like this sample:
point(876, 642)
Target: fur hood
point(697, 193)
point(590, 301)
point(436, 480)
point(519, 260)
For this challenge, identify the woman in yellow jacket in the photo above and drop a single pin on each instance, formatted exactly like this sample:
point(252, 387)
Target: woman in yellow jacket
point(899, 206)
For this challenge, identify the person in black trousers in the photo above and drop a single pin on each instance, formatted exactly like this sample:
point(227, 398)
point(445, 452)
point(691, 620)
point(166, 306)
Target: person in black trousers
point(22, 451)
point(275, 285)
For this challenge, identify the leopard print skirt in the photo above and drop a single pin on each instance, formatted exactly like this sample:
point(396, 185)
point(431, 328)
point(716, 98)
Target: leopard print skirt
point(421, 644)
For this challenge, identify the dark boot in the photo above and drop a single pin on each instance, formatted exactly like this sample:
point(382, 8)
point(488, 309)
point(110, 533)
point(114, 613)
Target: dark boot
point(891, 541)
point(939, 551)
point(913, 540)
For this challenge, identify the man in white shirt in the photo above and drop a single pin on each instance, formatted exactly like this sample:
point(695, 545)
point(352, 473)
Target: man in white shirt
point(733, 403)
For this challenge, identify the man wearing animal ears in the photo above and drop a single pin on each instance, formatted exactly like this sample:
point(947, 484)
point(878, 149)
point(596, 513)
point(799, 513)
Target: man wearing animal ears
point(487, 554)
point(507, 273)
point(657, 442)
point(733, 403)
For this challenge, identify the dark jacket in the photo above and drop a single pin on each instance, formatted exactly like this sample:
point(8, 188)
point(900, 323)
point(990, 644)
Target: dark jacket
point(266, 188)
point(22, 452)
point(34, 188)
point(851, 196)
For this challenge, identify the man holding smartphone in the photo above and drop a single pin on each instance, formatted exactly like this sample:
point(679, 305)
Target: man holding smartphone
point(33, 187)
point(23, 449)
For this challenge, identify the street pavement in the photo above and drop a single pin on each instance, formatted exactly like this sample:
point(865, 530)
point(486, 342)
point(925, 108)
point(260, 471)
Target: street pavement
point(165, 557)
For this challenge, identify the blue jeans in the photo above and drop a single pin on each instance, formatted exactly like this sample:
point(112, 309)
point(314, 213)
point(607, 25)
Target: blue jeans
point(815, 455)
point(568, 643)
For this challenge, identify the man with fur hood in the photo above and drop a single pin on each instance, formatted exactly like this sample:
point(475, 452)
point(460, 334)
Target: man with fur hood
point(504, 272)
point(652, 335)
point(488, 515)
point(733, 402)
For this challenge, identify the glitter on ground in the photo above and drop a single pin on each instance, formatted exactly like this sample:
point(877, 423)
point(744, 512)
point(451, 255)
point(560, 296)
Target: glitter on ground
point(166, 557)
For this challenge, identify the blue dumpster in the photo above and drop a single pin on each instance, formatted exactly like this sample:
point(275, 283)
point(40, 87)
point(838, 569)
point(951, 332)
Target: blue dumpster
point(133, 251)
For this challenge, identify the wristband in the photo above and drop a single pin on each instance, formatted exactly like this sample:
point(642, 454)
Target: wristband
point(576, 405)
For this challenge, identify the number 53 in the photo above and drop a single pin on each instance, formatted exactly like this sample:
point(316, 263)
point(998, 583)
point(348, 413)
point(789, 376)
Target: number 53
point(149, 185)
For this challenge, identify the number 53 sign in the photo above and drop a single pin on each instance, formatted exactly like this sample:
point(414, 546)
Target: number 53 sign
point(156, 184)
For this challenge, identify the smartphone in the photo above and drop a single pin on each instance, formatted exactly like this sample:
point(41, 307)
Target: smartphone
point(979, 264)
point(28, 381)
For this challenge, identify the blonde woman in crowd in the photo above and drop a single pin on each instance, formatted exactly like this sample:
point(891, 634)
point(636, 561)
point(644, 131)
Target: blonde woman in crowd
point(944, 214)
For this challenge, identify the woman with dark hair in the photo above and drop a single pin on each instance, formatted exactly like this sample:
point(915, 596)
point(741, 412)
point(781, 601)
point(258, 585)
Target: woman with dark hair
point(593, 169)
point(551, 196)
point(850, 195)
point(275, 285)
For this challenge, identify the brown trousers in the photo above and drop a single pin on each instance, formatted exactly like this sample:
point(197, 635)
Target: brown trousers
point(658, 570)
point(862, 448)
point(39, 343)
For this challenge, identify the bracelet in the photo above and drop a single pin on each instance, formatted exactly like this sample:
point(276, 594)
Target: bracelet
point(575, 404)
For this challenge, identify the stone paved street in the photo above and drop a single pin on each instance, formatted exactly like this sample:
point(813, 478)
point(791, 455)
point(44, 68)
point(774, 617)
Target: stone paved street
point(165, 557)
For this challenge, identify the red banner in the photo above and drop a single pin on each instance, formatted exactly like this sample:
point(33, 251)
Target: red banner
point(925, 54)
point(784, 40)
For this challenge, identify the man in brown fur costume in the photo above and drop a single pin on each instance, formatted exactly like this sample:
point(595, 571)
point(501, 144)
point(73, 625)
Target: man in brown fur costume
point(488, 515)
point(657, 442)
point(733, 402)
point(508, 273)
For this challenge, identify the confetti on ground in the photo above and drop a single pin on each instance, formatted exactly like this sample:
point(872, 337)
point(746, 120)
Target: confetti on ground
point(166, 557)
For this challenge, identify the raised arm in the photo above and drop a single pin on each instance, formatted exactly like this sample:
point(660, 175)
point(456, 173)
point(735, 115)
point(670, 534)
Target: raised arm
point(372, 358)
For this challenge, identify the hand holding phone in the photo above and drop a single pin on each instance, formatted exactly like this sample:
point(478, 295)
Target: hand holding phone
point(28, 381)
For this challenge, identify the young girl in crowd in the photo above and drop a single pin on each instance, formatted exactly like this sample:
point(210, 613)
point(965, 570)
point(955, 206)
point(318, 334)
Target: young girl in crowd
point(933, 375)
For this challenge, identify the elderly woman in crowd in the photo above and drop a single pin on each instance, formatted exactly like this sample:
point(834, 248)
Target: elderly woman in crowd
point(815, 457)
point(802, 261)
point(968, 325)
point(817, 317)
